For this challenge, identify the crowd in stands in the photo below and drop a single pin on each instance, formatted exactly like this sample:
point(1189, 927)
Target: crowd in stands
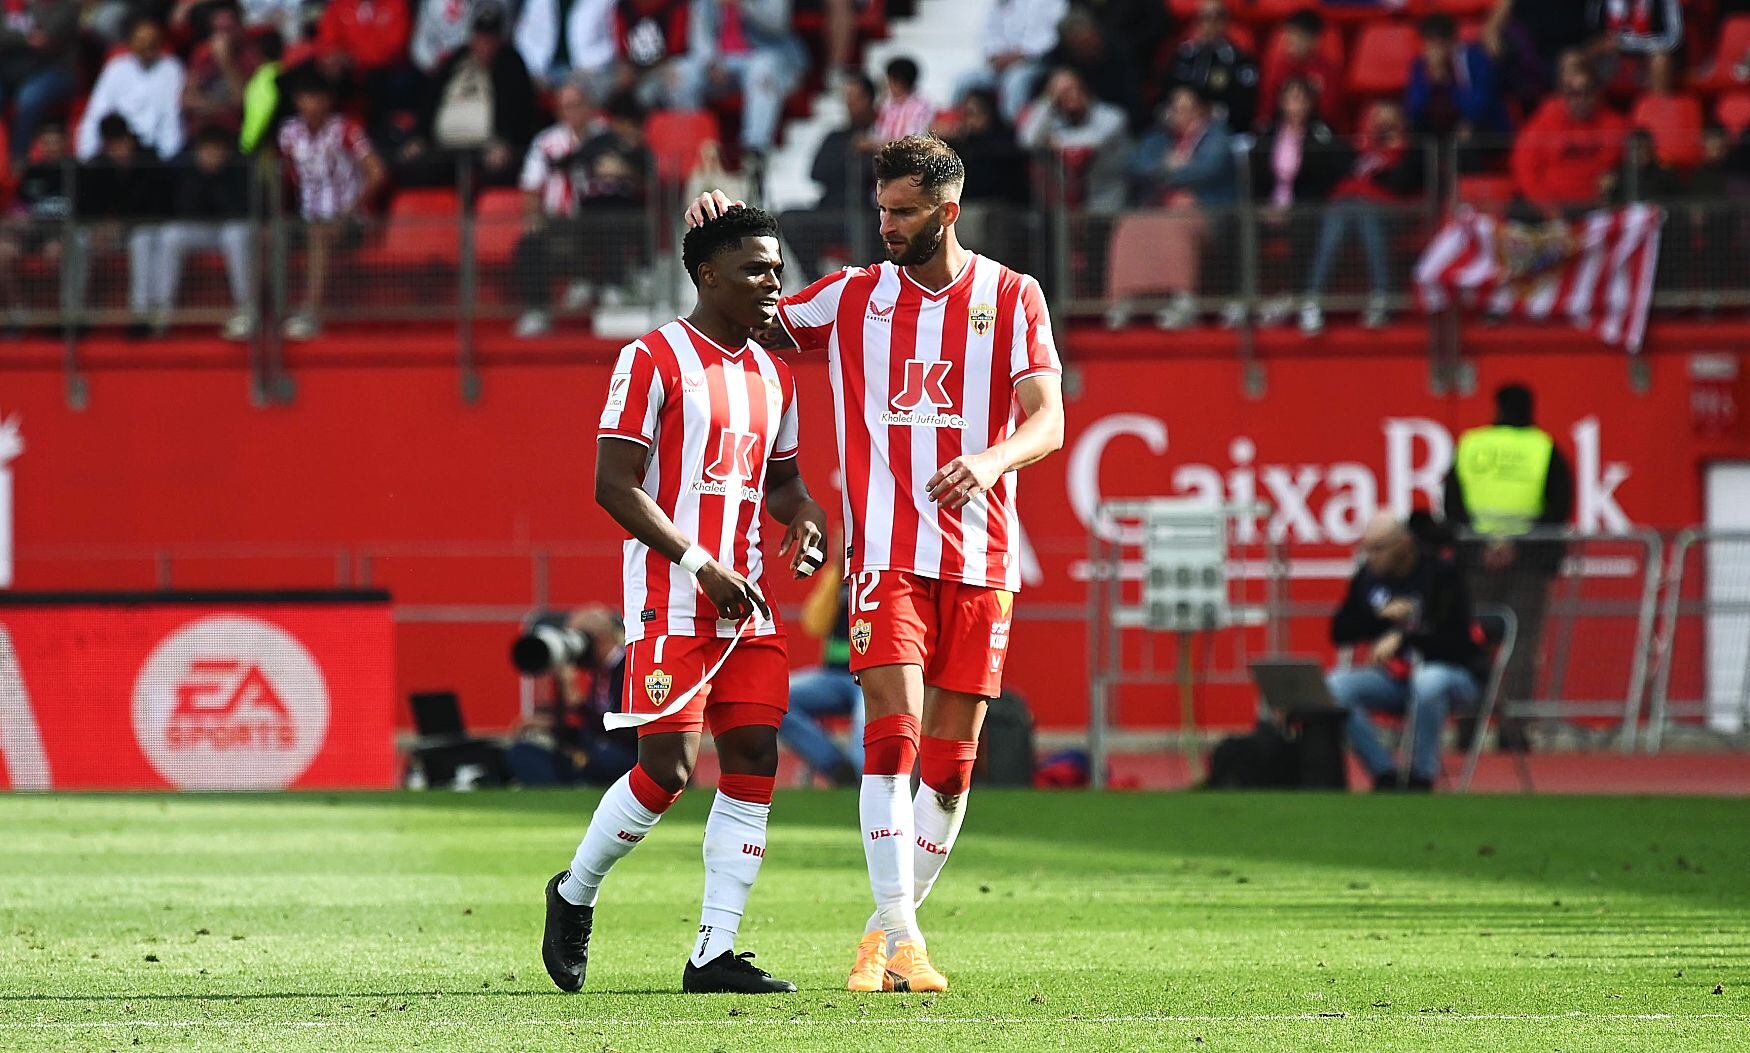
point(1549, 105)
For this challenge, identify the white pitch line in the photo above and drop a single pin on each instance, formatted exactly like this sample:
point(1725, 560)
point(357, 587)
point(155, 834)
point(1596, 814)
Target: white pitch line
point(736, 1021)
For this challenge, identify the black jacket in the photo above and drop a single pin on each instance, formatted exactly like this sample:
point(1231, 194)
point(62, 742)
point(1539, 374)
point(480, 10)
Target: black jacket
point(137, 191)
point(840, 186)
point(1324, 160)
point(1223, 74)
point(202, 195)
point(1441, 630)
point(514, 106)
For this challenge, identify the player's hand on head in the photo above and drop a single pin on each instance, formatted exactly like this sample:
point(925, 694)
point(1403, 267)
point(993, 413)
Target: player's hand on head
point(962, 479)
point(710, 205)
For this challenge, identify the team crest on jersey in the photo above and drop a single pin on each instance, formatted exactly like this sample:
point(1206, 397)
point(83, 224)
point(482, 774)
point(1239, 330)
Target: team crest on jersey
point(983, 316)
point(657, 686)
point(861, 633)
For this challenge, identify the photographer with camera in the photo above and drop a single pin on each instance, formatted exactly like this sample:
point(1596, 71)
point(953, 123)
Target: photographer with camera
point(564, 743)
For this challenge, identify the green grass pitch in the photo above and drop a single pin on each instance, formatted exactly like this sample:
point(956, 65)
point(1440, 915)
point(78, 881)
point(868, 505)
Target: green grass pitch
point(1065, 921)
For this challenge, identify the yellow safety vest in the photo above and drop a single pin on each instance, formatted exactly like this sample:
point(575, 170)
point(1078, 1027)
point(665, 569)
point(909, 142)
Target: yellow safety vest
point(1502, 471)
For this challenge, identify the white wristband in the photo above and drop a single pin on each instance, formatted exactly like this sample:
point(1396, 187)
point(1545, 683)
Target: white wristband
point(694, 560)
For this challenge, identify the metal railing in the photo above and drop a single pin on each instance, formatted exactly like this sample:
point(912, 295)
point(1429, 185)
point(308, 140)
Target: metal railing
point(461, 254)
point(1702, 669)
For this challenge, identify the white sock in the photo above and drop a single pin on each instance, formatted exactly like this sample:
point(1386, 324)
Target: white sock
point(938, 827)
point(619, 823)
point(735, 844)
point(885, 809)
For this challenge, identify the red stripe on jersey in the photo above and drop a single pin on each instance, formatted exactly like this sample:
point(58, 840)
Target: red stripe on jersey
point(948, 440)
point(711, 512)
point(758, 419)
point(853, 305)
point(902, 348)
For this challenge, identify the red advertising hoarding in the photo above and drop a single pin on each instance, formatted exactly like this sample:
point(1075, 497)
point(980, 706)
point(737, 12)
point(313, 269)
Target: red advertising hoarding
point(197, 691)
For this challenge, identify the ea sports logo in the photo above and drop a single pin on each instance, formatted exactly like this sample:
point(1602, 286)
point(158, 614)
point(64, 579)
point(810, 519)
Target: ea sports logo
point(230, 703)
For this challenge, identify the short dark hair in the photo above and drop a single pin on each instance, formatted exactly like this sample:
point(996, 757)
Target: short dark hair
point(1306, 21)
point(1438, 26)
point(864, 81)
point(114, 128)
point(713, 236)
point(905, 71)
point(929, 161)
point(1514, 404)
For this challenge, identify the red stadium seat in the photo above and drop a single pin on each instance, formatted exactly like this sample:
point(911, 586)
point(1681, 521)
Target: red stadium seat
point(675, 136)
point(1455, 8)
point(1733, 48)
point(498, 223)
point(422, 229)
point(1383, 53)
point(1733, 111)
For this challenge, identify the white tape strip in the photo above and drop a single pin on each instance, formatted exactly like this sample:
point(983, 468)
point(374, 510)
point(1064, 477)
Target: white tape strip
point(616, 721)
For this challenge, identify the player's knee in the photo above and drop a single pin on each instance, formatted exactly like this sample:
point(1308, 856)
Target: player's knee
point(751, 750)
point(669, 767)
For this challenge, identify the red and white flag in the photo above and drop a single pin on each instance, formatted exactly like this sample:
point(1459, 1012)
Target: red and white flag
point(1597, 270)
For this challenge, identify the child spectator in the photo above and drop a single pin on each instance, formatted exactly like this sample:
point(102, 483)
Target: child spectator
point(36, 220)
point(210, 197)
point(121, 194)
point(903, 111)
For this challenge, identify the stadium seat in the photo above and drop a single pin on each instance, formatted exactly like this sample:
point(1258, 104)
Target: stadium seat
point(1455, 8)
point(1733, 111)
point(1733, 47)
point(675, 136)
point(422, 229)
point(1383, 53)
point(498, 216)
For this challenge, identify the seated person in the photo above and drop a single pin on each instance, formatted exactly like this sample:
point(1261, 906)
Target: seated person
point(829, 689)
point(1410, 605)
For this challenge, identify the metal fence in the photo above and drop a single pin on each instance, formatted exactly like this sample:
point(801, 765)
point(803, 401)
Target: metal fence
point(460, 252)
point(1702, 680)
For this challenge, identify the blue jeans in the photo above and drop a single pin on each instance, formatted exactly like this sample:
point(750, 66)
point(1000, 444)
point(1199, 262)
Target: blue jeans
point(821, 693)
point(1370, 224)
point(34, 96)
point(1433, 690)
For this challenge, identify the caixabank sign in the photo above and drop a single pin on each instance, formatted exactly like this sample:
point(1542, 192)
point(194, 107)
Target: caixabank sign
point(196, 692)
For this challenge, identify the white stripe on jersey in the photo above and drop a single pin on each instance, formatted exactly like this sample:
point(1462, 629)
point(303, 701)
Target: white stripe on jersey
point(974, 517)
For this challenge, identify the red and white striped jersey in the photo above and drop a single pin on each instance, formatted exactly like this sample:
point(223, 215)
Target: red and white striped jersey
point(920, 378)
point(714, 418)
point(327, 164)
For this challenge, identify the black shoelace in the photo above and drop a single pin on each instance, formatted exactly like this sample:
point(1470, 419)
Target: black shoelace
point(743, 962)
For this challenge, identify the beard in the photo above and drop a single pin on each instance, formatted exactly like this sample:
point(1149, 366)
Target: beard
point(922, 247)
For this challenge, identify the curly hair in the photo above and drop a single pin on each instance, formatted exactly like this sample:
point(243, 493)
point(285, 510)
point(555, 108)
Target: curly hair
point(930, 163)
point(725, 232)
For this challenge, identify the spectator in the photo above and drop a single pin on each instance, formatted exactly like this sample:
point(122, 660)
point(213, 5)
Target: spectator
point(828, 690)
point(144, 86)
point(35, 220)
point(1410, 606)
point(1672, 122)
point(1296, 162)
point(1138, 31)
point(743, 45)
point(844, 170)
point(1454, 87)
point(483, 104)
point(1103, 67)
point(1552, 28)
point(1388, 170)
point(211, 206)
point(1217, 69)
point(1186, 168)
point(1087, 136)
point(440, 28)
point(284, 17)
point(336, 172)
point(219, 70)
point(261, 96)
point(39, 41)
point(362, 37)
point(1629, 32)
point(1567, 155)
point(650, 46)
point(1507, 479)
point(903, 110)
point(1302, 55)
point(1523, 71)
point(583, 190)
point(576, 42)
point(1017, 36)
point(121, 195)
point(998, 183)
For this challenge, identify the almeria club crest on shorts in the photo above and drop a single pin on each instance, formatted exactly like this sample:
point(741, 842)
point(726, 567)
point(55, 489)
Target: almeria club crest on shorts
point(657, 685)
point(920, 377)
point(861, 633)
